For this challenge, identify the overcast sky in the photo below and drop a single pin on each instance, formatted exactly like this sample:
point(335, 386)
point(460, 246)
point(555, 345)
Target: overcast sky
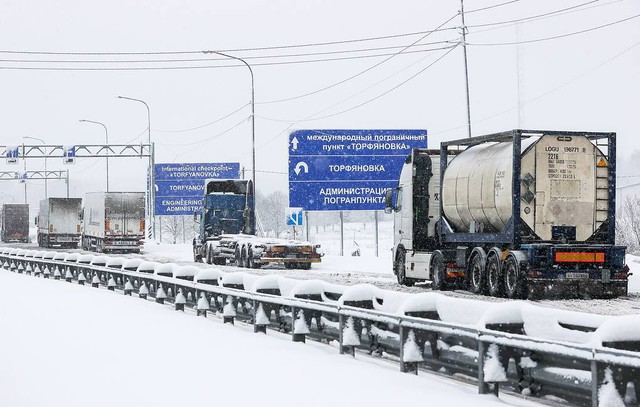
point(588, 81)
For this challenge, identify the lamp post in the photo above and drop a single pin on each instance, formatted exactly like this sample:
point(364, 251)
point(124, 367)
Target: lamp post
point(253, 117)
point(106, 140)
point(152, 211)
point(46, 194)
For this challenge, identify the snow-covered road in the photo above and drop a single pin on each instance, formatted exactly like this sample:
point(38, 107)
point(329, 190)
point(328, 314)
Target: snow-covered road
point(348, 270)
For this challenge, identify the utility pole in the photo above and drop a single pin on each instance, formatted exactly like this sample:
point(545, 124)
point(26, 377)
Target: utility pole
point(466, 70)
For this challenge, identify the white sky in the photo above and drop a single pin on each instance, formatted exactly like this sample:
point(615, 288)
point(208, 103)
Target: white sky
point(48, 104)
point(122, 351)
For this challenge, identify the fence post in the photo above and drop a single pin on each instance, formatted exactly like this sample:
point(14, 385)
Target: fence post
point(403, 337)
point(595, 381)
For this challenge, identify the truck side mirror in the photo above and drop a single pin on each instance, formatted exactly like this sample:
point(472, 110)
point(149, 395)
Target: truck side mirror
point(35, 221)
point(388, 201)
point(196, 217)
point(81, 215)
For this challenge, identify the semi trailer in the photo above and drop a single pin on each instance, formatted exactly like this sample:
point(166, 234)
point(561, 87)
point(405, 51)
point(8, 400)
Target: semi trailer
point(14, 223)
point(58, 222)
point(227, 231)
point(521, 214)
point(113, 221)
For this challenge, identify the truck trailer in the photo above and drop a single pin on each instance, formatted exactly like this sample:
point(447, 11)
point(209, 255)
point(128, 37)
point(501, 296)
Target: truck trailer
point(113, 221)
point(58, 222)
point(14, 223)
point(521, 214)
point(227, 231)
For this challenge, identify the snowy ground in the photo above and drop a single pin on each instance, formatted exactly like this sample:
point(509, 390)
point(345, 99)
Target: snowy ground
point(68, 345)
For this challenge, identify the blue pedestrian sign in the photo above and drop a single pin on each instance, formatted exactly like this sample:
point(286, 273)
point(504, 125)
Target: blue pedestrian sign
point(12, 154)
point(294, 217)
point(179, 188)
point(347, 169)
point(69, 154)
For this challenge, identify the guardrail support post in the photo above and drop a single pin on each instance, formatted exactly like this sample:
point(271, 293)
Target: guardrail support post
point(595, 382)
point(260, 318)
point(341, 333)
point(483, 387)
point(299, 326)
point(403, 337)
point(229, 311)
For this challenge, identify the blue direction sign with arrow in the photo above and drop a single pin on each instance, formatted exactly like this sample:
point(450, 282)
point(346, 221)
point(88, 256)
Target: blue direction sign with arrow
point(294, 217)
point(347, 169)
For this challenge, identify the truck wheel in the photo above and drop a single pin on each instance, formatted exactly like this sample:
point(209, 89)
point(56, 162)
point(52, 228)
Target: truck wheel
point(400, 269)
point(494, 276)
point(477, 275)
point(515, 281)
point(196, 257)
point(249, 258)
point(305, 266)
point(219, 261)
point(438, 273)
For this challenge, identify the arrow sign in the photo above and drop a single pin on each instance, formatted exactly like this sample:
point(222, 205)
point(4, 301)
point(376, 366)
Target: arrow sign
point(294, 144)
point(301, 166)
point(294, 217)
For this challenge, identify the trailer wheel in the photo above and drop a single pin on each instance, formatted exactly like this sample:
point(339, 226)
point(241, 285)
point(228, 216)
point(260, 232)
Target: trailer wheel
point(250, 263)
point(196, 257)
point(305, 266)
point(515, 281)
point(438, 273)
point(400, 269)
point(238, 256)
point(494, 276)
point(477, 275)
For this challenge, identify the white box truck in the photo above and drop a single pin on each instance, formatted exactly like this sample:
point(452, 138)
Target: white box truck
point(113, 221)
point(58, 222)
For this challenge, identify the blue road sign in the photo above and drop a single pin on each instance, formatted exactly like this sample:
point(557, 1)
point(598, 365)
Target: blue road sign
point(179, 187)
point(69, 154)
point(12, 154)
point(347, 169)
point(294, 217)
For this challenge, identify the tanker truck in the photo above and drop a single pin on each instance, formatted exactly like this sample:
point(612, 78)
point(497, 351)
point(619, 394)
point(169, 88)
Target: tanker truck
point(518, 214)
point(227, 231)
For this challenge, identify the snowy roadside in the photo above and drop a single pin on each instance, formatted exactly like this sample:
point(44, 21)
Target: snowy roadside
point(70, 351)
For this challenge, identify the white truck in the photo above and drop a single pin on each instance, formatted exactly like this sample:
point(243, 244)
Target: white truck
point(58, 222)
point(113, 221)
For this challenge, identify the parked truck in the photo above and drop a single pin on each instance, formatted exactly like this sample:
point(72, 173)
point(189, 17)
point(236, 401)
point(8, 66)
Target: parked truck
point(113, 221)
point(227, 231)
point(14, 223)
point(58, 222)
point(518, 214)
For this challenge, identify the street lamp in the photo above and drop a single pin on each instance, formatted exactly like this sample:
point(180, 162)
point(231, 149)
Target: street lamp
point(152, 209)
point(106, 139)
point(253, 116)
point(46, 195)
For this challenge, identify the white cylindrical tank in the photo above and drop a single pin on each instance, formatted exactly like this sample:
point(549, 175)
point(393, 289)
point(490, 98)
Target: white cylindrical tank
point(564, 182)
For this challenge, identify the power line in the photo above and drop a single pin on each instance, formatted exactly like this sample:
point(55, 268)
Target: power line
point(490, 7)
point(549, 91)
point(311, 118)
point(143, 61)
point(363, 71)
point(204, 125)
point(206, 139)
point(170, 68)
point(557, 36)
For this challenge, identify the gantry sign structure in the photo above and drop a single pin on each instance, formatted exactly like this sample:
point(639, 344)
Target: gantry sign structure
point(68, 153)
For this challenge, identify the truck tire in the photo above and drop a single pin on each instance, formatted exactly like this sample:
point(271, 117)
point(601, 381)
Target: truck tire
point(219, 261)
point(477, 274)
point(196, 256)
point(495, 276)
point(305, 266)
point(399, 268)
point(438, 273)
point(515, 281)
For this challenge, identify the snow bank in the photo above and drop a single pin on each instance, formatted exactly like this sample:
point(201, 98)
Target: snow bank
point(616, 329)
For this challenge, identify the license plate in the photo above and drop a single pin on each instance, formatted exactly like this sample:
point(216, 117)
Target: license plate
point(577, 276)
point(64, 239)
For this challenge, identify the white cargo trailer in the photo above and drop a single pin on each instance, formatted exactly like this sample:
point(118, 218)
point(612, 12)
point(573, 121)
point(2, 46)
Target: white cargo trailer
point(58, 222)
point(113, 221)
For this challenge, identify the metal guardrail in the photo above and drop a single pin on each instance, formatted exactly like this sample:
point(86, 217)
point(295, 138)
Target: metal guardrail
point(499, 355)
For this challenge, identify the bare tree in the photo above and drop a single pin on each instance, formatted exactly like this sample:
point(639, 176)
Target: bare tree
point(271, 210)
point(628, 224)
point(171, 228)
